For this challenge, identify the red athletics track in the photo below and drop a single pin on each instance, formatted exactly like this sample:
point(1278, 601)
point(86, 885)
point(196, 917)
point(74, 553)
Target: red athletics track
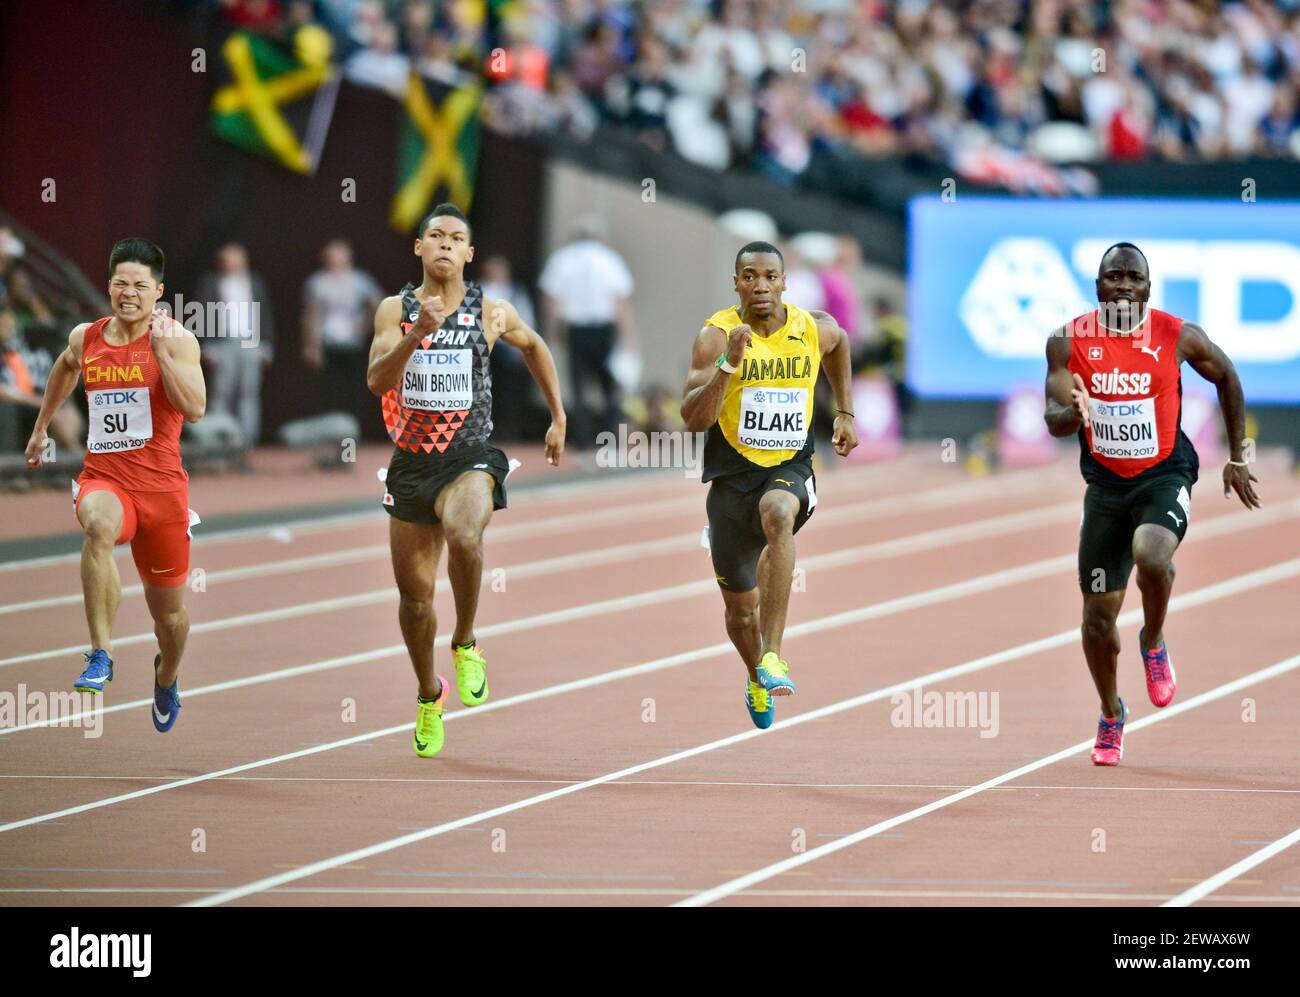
point(603, 618)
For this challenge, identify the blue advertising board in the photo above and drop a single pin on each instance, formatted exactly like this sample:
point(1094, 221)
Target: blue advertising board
point(990, 278)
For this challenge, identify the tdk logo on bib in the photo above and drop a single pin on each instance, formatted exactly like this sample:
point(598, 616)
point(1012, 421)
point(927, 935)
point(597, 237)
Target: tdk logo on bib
point(778, 397)
point(1108, 409)
point(438, 358)
point(115, 397)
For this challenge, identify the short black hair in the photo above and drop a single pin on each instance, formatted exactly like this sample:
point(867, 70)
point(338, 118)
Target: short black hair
point(759, 247)
point(1123, 245)
point(138, 251)
point(445, 210)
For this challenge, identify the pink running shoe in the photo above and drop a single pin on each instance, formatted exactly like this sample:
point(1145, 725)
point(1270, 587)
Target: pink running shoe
point(1109, 748)
point(1162, 683)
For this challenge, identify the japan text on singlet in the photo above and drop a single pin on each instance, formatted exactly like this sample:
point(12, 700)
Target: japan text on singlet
point(1135, 395)
point(443, 402)
point(766, 417)
point(134, 436)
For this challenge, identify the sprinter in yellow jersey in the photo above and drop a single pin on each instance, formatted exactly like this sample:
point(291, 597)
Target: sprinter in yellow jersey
point(751, 384)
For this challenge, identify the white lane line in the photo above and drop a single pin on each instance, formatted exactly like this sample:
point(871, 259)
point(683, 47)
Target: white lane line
point(998, 579)
point(734, 886)
point(1202, 890)
point(715, 783)
point(914, 894)
point(1266, 576)
point(555, 525)
point(939, 497)
point(887, 548)
point(559, 491)
point(1242, 583)
point(314, 524)
point(976, 530)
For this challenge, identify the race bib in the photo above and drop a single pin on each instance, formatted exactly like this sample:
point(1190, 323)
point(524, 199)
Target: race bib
point(439, 380)
point(1125, 429)
point(120, 419)
point(773, 418)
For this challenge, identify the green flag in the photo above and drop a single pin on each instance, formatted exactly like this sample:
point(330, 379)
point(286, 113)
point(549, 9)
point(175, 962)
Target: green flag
point(437, 148)
point(278, 103)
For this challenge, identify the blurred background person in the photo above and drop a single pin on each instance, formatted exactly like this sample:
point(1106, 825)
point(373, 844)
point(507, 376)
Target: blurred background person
point(23, 373)
point(11, 251)
point(237, 338)
point(587, 302)
point(36, 317)
point(338, 307)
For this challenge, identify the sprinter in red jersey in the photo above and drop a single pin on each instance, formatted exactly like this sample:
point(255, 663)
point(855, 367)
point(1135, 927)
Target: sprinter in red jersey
point(1113, 377)
point(142, 379)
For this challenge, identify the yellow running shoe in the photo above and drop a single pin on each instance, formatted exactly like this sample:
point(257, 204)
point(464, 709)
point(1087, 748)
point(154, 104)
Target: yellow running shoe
point(761, 710)
point(774, 675)
point(428, 723)
point(471, 675)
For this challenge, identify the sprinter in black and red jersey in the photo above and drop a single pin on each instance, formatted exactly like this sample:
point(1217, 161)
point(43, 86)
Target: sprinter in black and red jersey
point(1113, 376)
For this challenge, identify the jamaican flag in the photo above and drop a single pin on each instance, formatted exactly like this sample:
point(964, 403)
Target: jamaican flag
point(278, 102)
point(437, 148)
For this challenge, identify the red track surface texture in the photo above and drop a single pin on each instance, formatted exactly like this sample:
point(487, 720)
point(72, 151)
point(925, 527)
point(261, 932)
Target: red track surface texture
point(615, 763)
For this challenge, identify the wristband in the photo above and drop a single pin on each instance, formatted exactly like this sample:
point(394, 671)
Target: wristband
point(1239, 463)
point(721, 364)
point(841, 411)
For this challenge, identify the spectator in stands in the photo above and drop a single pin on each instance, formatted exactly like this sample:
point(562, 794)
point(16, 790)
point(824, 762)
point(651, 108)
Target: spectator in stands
point(35, 316)
point(596, 60)
point(237, 338)
point(1177, 79)
point(587, 303)
point(435, 61)
point(11, 251)
point(23, 373)
point(641, 96)
point(568, 109)
point(338, 309)
point(513, 389)
point(417, 27)
point(1278, 130)
point(381, 65)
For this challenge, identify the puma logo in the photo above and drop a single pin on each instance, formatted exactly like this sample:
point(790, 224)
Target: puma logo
point(1178, 521)
point(1155, 353)
point(784, 482)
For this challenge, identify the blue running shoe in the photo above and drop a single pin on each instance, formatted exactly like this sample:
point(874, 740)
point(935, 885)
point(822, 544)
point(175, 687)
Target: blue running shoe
point(99, 669)
point(774, 675)
point(761, 709)
point(166, 702)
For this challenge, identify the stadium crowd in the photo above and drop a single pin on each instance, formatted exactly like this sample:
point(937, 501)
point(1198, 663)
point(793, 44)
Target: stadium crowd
point(762, 83)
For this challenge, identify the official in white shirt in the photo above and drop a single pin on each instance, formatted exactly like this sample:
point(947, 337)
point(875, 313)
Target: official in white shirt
point(587, 299)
